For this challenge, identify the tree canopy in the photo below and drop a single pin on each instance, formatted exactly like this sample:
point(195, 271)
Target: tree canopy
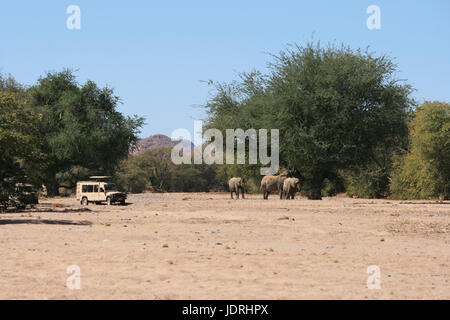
point(80, 129)
point(336, 108)
point(57, 131)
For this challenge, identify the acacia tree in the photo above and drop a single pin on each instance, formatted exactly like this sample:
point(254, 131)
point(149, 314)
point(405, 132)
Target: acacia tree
point(336, 108)
point(80, 129)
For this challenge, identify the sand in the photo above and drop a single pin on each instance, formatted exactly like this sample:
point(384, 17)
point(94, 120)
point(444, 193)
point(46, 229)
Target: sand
point(206, 246)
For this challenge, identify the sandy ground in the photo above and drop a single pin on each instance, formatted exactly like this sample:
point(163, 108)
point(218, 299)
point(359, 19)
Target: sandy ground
point(206, 246)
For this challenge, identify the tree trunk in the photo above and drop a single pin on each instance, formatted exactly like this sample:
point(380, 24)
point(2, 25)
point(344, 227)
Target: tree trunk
point(51, 184)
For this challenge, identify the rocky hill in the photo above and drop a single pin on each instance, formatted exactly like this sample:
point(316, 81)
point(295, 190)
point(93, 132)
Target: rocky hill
point(158, 141)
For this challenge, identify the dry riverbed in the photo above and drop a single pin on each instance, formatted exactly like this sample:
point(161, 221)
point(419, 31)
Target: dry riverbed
point(207, 246)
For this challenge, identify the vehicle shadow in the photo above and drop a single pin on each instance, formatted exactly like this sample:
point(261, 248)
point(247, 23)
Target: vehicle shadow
point(52, 222)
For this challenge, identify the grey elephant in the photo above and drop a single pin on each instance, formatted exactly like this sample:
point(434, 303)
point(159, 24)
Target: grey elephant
point(235, 185)
point(272, 183)
point(290, 187)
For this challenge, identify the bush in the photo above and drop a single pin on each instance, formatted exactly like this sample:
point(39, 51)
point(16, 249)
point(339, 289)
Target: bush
point(424, 173)
point(332, 186)
point(367, 183)
point(414, 179)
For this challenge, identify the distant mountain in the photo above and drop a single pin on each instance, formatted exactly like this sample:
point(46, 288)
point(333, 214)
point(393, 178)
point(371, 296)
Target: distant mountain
point(159, 141)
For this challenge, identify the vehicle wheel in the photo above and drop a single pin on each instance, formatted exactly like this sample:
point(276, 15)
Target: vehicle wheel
point(108, 201)
point(122, 203)
point(84, 201)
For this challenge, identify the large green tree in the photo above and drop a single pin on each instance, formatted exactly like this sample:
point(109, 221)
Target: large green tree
point(336, 108)
point(80, 129)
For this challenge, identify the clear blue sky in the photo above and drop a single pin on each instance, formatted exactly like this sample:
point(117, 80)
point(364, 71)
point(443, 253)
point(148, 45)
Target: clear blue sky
point(155, 54)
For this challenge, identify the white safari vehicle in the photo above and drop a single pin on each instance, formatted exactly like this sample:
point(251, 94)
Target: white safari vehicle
point(98, 190)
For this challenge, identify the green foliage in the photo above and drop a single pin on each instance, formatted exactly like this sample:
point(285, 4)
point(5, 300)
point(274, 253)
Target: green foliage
point(188, 180)
point(424, 173)
point(332, 186)
point(16, 144)
point(336, 109)
point(9, 84)
point(372, 182)
point(79, 128)
point(150, 170)
point(154, 170)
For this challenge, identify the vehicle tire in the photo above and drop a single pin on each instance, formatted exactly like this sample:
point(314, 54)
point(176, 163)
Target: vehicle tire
point(108, 201)
point(85, 201)
point(122, 203)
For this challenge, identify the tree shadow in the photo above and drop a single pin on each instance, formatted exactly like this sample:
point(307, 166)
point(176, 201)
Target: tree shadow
point(51, 222)
point(49, 210)
point(102, 204)
point(62, 210)
point(425, 202)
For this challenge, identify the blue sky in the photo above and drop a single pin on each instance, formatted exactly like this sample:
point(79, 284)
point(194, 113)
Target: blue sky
point(155, 54)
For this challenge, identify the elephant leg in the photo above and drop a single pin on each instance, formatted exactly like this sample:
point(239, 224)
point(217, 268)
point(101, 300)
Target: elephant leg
point(231, 194)
point(237, 192)
point(243, 192)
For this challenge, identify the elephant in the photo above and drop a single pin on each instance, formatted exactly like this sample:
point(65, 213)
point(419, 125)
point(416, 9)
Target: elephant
point(236, 184)
point(272, 183)
point(290, 186)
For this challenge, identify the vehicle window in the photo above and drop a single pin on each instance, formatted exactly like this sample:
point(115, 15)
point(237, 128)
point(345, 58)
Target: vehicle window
point(95, 188)
point(90, 188)
point(84, 189)
point(110, 187)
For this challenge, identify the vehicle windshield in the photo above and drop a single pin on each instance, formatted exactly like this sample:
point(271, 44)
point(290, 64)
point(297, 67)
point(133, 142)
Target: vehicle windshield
point(110, 187)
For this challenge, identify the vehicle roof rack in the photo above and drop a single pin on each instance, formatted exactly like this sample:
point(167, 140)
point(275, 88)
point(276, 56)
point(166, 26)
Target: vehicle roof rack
point(99, 178)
